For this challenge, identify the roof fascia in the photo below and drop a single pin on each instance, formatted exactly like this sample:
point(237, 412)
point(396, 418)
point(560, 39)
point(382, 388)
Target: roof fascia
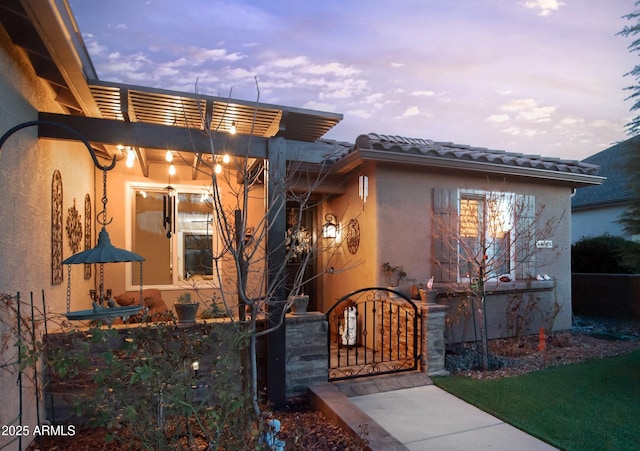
point(59, 32)
point(359, 156)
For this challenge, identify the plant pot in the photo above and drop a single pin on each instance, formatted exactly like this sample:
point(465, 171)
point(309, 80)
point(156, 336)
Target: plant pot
point(300, 304)
point(428, 296)
point(186, 313)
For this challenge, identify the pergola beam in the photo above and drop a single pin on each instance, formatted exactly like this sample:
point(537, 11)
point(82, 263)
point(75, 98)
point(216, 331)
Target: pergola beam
point(184, 139)
point(151, 136)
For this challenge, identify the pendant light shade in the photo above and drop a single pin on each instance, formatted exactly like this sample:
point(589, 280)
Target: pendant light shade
point(104, 252)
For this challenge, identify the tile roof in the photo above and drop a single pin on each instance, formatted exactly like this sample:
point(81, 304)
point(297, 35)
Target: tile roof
point(451, 151)
point(616, 188)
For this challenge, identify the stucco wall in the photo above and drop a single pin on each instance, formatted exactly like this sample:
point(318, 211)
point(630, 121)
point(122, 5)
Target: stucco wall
point(26, 170)
point(399, 210)
point(352, 271)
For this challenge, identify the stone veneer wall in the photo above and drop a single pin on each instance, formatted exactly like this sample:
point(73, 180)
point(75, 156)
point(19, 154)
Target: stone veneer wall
point(307, 354)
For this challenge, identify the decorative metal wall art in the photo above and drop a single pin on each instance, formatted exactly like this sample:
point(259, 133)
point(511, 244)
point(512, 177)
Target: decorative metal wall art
point(87, 233)
point(353, 236)
point(56, 228)
point(74, 228)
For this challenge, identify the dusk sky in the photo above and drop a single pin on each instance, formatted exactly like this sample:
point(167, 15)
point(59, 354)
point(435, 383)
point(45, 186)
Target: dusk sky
point(532, 76)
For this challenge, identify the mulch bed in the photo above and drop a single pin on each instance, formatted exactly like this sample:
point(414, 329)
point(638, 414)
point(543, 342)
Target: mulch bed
point(590, 338)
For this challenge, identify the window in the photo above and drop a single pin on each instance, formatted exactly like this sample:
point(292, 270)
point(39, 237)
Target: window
point(485, 231)
point(486, 220)
point(173, 231)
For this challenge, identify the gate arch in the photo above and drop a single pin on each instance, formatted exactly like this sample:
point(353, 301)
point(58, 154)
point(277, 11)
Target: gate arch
point(373, 331)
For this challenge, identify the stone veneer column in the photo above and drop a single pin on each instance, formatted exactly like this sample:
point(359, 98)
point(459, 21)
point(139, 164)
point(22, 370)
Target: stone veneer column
point(306, 352)
point(433, 344)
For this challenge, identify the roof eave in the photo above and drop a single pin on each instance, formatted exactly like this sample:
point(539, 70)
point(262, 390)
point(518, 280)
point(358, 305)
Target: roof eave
point(59, 32)
point(360, 156)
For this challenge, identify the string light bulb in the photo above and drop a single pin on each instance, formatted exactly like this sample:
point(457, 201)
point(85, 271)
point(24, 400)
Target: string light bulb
point(233, 129)
point(131, 157)
point(226, 158)
point(172, 169)
point(217, 168)
point(169, 156)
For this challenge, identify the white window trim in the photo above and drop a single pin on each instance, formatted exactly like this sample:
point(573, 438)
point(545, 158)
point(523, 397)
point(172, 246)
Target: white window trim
point(177, 284)
point(470, 193)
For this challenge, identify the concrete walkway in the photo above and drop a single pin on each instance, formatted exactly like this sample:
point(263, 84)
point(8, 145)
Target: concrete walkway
point(407, 411)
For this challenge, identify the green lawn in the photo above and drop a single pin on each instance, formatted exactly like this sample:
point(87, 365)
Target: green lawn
point(593, 405)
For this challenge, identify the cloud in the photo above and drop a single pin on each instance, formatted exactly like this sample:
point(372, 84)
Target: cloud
point(290, 62)
point(498, 118)
point(422, 93)
point(518, 131)
point(337, 69)
point(361, 113)
point(544, 7)
point(411, 111)
point(529, 110)
point(396, 65)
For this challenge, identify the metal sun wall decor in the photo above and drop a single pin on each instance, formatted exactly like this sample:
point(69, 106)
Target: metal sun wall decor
point(353, 236)
point(74, 228)
point(56, 228)
point(87, 233)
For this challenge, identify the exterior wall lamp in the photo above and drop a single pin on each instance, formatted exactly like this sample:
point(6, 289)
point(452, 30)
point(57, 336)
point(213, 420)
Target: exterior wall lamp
point(331, 227)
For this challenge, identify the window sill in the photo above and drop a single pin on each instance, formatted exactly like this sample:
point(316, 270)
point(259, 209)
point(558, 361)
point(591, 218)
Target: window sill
point(494, 287)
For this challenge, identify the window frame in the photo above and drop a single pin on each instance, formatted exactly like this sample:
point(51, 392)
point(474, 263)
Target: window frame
point(485, 196)
point(176, 241)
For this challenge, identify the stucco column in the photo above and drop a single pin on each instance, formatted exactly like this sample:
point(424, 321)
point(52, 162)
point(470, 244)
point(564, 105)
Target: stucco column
point(433, 344)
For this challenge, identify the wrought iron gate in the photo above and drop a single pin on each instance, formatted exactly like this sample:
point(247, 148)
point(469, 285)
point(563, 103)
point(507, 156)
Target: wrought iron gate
point(373, 331)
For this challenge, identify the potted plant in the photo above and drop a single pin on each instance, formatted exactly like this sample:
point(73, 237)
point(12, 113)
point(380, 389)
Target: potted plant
point(214, 310)
point(393, 274)
point(186, 309)
point(299, 304)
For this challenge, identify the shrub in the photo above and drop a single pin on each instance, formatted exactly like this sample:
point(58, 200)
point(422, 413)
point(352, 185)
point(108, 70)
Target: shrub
point(604, 254)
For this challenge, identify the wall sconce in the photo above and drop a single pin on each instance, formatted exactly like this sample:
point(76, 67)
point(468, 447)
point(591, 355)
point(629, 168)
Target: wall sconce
point(363, 188)
point(195, 367)
point(331, 228)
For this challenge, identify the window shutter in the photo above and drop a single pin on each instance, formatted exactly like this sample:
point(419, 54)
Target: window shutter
point(445, 224)
point(525, 229)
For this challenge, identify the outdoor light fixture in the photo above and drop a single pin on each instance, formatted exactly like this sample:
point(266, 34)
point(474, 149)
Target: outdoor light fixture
point(331, 228)
point(233, 129)
point(131, 157)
